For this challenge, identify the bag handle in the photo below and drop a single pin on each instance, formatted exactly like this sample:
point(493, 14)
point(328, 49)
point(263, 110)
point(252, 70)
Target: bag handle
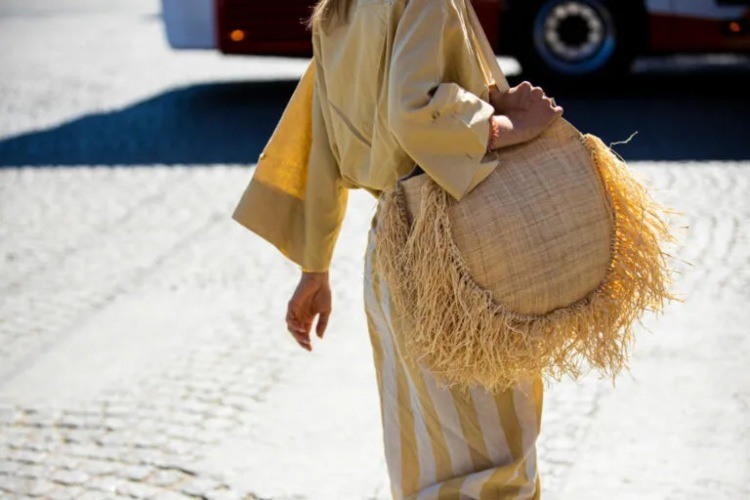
point(493, 74)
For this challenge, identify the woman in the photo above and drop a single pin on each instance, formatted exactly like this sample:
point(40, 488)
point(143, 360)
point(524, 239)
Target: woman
point(394, 84)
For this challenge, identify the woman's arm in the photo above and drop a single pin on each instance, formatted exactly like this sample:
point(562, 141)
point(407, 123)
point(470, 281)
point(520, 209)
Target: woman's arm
point(325, 193)
point(440, 124)
point(323, 210)
point(324, 206)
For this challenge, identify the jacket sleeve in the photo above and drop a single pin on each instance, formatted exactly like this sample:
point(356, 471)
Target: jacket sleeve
point(326, 194)
point(296, 199)
point(442, 126)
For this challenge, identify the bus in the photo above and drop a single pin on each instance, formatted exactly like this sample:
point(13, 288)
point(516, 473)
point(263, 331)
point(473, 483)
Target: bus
point(566, 39)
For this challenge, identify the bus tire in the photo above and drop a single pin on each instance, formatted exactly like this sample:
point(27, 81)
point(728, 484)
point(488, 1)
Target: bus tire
point(577, 41)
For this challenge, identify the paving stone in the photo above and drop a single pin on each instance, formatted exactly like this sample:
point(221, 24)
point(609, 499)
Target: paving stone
point(172, 495)
point(43, 447)
point(168, 477)
point(199, 487)
point(70, 477)
point(16, 440)
point(63, 461)
point(87, 449)
point(32, 471)
point(218, 424)
point(41, 419)
point(78, 436)
point(91, 495)
point(224, 494)
point(8, 467)
point(150, 440)
point(138, 490)
point(117, 411)
point(136, 472)
point(29, 457)
point(42, 487)
point(116, 439)
point(177, 447)
point(66, 493)
point(115, 424)
point(96, 451)
point(108, 484)
point(10, 416)
point(15, 485)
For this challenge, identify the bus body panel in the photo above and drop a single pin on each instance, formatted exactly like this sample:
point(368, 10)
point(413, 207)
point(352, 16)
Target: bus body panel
point(277, 27)
point(698, 25)
point(264, 28)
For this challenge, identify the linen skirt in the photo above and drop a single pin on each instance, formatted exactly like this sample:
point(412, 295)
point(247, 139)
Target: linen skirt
point(443, 443)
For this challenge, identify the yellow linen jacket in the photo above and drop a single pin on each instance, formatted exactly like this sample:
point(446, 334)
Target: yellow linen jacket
point(400, 84)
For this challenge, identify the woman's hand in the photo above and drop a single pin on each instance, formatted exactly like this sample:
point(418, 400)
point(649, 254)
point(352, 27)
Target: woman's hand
point(523, 112)
point(311, 298)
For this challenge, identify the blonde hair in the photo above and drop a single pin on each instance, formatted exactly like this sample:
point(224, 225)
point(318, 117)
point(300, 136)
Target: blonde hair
point(329, 13)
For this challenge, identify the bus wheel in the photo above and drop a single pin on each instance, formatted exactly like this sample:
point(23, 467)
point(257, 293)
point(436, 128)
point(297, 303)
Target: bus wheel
point(576, 41)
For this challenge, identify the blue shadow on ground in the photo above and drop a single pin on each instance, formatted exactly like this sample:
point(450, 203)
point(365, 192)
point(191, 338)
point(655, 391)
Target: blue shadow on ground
point(699, 116)
point(679, 117)
point(201, 124)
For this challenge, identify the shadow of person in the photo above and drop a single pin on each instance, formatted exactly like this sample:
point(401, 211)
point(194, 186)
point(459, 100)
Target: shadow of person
point(202, 124)
point(699, 116)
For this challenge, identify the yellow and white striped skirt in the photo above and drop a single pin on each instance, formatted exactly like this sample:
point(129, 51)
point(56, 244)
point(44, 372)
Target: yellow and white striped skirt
point(443, 443)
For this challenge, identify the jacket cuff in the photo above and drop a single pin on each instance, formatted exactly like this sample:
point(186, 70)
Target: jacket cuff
point(475, 114)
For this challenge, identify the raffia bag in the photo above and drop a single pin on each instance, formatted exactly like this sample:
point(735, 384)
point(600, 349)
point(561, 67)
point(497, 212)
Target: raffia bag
point(541, 269)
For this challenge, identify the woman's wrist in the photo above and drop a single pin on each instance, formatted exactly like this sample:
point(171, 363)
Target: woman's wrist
point(308, 274)
point(506, 135)
point(494, 134)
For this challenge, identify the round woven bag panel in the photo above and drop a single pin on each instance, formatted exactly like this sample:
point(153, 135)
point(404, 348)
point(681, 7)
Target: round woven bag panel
point(537, 232)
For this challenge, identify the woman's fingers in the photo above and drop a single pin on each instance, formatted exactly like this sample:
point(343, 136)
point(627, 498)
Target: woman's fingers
point(525, 86)
point(300, 326)
point(301, 336)
point(297, 327)
point(303, 340)
point(320, 328)
point(292, 318)
point(558, 110)
point(311, 299)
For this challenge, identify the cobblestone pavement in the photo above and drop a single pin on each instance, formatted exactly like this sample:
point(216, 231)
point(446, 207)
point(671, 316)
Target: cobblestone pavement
point(142, 346)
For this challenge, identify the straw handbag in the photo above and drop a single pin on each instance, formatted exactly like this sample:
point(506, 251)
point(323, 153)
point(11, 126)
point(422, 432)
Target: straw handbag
point(542, 268)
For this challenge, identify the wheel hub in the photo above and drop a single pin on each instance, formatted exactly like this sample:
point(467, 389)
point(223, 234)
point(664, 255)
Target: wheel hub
point(574, 31)
point(574, 36)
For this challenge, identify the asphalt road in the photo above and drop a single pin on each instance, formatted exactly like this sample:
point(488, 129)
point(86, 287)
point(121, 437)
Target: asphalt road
point(142, 347)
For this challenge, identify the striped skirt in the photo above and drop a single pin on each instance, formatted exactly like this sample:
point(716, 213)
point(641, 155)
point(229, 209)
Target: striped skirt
point(445, 444)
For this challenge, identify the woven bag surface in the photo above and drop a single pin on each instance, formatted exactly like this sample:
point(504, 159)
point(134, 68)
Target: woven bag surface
point(537, 232)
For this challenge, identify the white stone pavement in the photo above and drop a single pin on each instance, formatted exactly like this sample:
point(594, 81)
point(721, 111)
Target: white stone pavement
point(142, 347)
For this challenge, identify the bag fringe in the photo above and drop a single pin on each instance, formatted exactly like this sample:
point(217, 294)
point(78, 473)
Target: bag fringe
point(466, 338)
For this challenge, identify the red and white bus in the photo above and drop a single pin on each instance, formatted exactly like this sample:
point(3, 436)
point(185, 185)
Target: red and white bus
point(576, 39)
